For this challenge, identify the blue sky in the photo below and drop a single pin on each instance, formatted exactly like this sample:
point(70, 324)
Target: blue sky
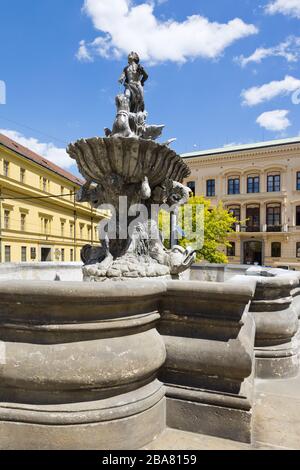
point(221, 71)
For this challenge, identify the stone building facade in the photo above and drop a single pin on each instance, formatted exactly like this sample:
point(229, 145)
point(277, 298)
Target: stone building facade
point(40, 219)
point(260, 184)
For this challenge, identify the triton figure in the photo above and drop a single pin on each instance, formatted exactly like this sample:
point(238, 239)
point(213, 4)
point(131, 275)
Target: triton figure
point(133, 78)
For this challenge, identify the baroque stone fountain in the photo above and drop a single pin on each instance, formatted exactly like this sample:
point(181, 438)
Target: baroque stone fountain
point(130, 174)
point(109, 366)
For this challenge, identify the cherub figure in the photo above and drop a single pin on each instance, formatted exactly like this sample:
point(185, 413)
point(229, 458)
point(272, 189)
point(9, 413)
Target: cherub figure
point(133, 78)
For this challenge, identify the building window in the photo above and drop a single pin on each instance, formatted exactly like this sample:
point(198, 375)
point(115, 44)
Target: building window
point(6, 220)
point(45, 225)
point(274, 183)
point(298, 181)
point(298, 249)
point(63, 254)
point(274, 218)
point(298, 216)
point(253, 218)
point(62, 229)
point(234, 186)
point(7, 254)
point(81, 231)
point(23, 254)
point(192, 186)
point(32, 253)
point(44, 185)
point(23, 222)
point(71, 231)
point(89, 229)
point(276, 250)
point(210, 188)
point(253, 184)
point(231, 250)
point(6, 168)
point(235, 211)
point(22, 175)
point(71, 255)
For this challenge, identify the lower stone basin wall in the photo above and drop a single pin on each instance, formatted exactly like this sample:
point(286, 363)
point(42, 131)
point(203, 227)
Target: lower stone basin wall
point(275, 309)
point(209, 369)
point(84, 365)
point(79, 365)
point(41, 271)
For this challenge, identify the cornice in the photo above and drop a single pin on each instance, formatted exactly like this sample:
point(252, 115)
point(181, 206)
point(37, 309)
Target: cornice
point(207, 160)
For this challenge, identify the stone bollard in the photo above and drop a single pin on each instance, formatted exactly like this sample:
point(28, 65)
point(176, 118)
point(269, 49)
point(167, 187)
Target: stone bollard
point(209, 338)
point(80, 366)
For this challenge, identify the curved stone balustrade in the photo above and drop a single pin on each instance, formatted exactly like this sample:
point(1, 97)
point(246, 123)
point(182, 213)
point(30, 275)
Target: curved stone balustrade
point(277, 323)
point(80, 365)
point(209, 337)
point(275, 312)
point(296, 294)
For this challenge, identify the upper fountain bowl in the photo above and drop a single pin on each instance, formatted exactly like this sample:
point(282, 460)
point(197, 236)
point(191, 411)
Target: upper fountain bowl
point(132, 158)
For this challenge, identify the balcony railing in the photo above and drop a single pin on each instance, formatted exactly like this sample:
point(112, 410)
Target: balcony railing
point(252, 228)
point(261, 228)
point(274, 228)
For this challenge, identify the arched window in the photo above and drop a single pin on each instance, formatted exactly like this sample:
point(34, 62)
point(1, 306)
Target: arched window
point(274, 182)
point(192, 186)
point(210, 188)
point(235, 211)
point(231, 249)
point(253, 218)
point(253, 184)
point(274, 217)
point(234, 185)
point(276, 250)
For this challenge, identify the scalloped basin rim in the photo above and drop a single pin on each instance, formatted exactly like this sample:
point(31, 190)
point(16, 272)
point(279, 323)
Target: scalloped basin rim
point(99, 158)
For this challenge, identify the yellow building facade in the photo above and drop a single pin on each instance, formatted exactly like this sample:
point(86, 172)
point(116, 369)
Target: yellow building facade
point(260, 184)
point(40, 219)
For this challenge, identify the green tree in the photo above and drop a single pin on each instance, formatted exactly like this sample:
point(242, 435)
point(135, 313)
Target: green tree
point(218, 224)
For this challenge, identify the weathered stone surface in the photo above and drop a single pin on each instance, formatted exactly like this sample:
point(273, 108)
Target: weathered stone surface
point(129, 433)
point(276, 320)
point(83, 361)
point(80, 365)
point(209, 337)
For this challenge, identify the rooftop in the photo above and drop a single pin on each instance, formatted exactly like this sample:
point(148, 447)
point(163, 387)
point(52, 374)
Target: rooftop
point(34, 157)
point(240, 148)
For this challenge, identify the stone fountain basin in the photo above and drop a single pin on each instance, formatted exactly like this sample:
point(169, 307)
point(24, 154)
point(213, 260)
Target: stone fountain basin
point(84, 366)
point(98, 366)
point(79, 365)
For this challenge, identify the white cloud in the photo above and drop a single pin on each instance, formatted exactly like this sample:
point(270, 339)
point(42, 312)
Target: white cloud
point(289, 50)
point(286, 7)
point(48, 150)
point(257, 95)
point(126, 26)
point(274, 120)
point(83, 53)
point(232, 144)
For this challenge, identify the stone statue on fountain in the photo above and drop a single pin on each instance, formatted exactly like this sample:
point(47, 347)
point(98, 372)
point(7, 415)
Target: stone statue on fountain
point(131, 115)
point(133, 78)
point(128, 162)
